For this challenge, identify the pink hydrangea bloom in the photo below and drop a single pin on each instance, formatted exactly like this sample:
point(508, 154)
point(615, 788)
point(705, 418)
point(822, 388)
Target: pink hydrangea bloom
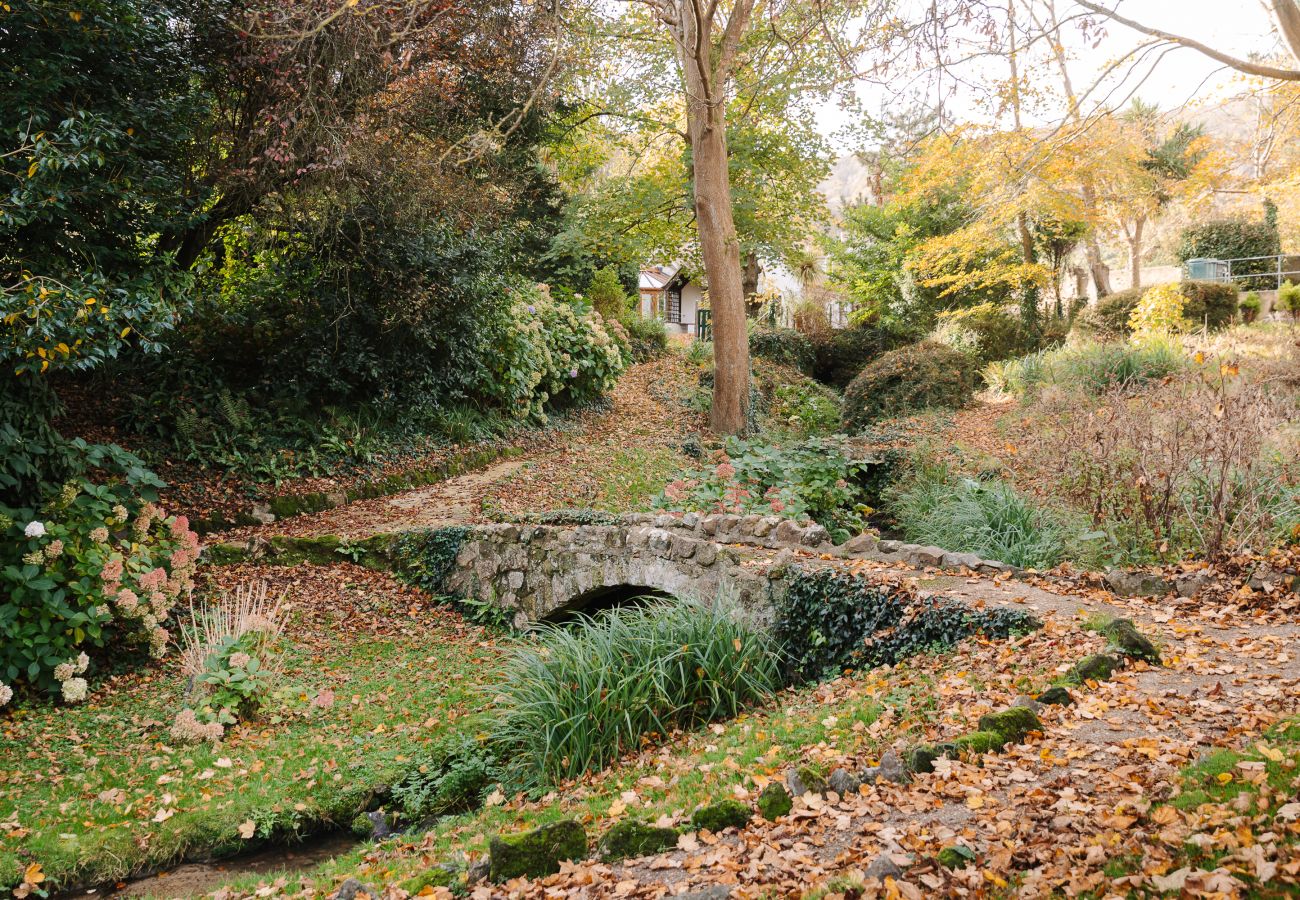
point(112, 571)
point(154, 579)
point(180, 527)
point(725, 470)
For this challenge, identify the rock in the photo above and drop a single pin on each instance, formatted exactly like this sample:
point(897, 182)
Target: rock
point(774, 802)
point(922, 758)
point(863, 543)
point(1097, 667)
point(536, 853)
point(956, 857)
point(351, 889)
point(478, 871)
point(961, 561)
point(815, 536)
point(781, 564)
point(1028, 703)
point(631, 839)
point(1135, 584)
point(706, 555)
point(1130, 642)
point(843, 782)
point(892, 768)
point(882, 867)
point(1189, 584)
point(888, 546)
point(1012, 725)
point(925, 556)
point(720, 816)
point(712, 892)
point(788, 532)
point(804, 780)
point(437, 876)
point(980, 742)
point(262, 513)
point(1056, 696)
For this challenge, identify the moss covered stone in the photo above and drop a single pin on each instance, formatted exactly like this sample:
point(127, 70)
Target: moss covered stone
point(1125, 638)
point(980, 742)
point(721, 815)
point(1056, 696)
point(956, 857)
point(361, 826)
point(922, 758)
point(631, 838)
point(532, 854)
point(438, 876)
point(1012, 724)
point(225, 554)
point(774, 802)
point(1097, 667)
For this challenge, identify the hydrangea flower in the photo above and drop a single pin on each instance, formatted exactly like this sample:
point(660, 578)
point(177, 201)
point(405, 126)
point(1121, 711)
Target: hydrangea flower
point(240, 660)
point(127, 601)
point(83, 663)
point(188, 728)
point(6, 694)
point(34, 529)
point(99, 535)
point(75, 690)
point(573, 373)
point(64, 671)
point(54, 549)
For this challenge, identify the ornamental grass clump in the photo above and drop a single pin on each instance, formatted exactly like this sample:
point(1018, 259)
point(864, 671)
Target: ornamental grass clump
point(228, 656)
point(574, 699)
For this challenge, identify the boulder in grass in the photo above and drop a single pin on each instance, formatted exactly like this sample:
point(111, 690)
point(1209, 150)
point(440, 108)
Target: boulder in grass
point(1130, 642)
point(1097, 667)
point(720, 816)
point(806, 780)
point(774, 802)
point(1056, 696)
point(1011, 724)
point(978, 743)
point(630, 839)
point(957, 856)
point(533, 854)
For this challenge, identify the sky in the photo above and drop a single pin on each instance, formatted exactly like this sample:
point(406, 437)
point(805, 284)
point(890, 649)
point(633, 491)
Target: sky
point(1179, 77)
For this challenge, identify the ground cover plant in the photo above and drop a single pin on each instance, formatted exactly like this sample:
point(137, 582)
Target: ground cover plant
point(818, 478)
point(920, 376)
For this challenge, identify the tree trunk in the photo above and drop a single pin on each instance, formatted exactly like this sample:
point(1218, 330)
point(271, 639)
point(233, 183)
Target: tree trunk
point(707, 130)
point(1135, 253)
point(750, 277)
point(1091, 247)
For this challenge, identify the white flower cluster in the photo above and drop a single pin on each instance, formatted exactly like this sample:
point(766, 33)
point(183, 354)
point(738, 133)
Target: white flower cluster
point(6, 694)
point(187, 728)
point(74, 689)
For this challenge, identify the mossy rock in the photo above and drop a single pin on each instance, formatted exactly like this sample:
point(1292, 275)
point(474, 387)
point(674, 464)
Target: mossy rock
point(980, 742)
point(922, 758)
point(721, 815)
point(1125, 638)
point(812, 780)
point(956, 857)
point(438, 876)
point(1097, 667)
point(225, 554)
point(321, 550)
point(1012, 724)
point(1056, 696)
point(631, 838)
point(533, 854)
point(774, 802)
point(361, 826)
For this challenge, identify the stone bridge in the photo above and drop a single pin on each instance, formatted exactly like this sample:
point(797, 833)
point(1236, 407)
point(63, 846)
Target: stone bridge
point(542, 572)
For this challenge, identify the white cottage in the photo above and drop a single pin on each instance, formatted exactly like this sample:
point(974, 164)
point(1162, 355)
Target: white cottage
point(670, 294)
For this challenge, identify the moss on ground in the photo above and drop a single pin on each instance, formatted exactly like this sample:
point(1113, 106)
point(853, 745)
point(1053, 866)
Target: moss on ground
point(536, 853)
point(631, 839)
point(721, 815)
point(774, 802)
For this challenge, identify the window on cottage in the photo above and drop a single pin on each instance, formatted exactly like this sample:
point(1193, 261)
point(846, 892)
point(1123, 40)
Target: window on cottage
point(674, 312)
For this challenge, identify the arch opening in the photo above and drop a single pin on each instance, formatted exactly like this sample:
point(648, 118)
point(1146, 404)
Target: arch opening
point(598, 600)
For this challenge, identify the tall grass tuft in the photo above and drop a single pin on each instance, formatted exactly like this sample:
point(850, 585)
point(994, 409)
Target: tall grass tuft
point(1093, 367)
point(574, 699)
point(988, 518)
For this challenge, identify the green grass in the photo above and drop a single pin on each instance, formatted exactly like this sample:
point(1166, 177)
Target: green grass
point(634, 477)
point(988, 518)
point(1218, 779)
point(82, 787)
point(575, 698)
point(1092, 367)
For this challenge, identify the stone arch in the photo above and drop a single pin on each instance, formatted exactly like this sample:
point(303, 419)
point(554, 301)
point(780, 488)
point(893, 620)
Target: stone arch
point(599, 599)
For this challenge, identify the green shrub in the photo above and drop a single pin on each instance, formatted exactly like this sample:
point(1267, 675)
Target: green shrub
point(1288, 299)
point(97, 567)
point(831, 620)
point(574, 699)
point(987, 518)
point(1091, 367)
point(804, 408)
point(986, 331)
point(907, 380)
point(1159, 315)
point(450, 777)
point(607, 297)
point(1250, 306)
point(646, 337)
point(839, 355)
point(1208, 303)
point(782, 345)
point(817, 478)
